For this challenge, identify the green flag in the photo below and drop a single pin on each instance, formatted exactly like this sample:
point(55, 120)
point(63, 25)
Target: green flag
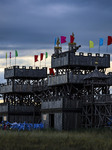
point(6, 55)
point(46, 55)
point(16, 53)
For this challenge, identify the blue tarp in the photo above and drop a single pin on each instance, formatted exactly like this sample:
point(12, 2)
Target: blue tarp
point(21, 126)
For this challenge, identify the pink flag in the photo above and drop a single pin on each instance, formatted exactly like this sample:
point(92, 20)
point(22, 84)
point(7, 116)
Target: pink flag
point(10, 55)
point(63, 39)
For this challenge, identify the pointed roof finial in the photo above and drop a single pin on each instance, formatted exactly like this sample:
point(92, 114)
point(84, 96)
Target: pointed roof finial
point(58, 42)
point(57, 48)
point(72, 34)
point(96, 63)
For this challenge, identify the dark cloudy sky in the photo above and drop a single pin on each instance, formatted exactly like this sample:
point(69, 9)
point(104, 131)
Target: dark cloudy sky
point(33, 24)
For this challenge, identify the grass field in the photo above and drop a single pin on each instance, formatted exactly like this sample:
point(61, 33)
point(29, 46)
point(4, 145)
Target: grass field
point(54, 140)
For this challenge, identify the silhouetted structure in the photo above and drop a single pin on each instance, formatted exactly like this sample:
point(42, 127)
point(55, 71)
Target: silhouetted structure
point(20, 103)
point(78, 95)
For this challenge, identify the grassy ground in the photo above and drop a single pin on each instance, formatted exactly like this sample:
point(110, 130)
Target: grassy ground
point(53, 140)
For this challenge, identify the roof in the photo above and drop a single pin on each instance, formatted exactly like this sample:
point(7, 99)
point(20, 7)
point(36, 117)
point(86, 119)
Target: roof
point(96, 74)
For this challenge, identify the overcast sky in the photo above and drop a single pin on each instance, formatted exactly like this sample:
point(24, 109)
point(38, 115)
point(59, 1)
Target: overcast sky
point(32, 25)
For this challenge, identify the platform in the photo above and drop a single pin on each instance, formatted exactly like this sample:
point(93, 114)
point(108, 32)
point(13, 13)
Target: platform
point(65, 79)
point(25, 73)
point(72, 60)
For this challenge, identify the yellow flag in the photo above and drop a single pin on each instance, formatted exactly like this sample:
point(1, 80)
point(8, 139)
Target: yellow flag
point(91, 44)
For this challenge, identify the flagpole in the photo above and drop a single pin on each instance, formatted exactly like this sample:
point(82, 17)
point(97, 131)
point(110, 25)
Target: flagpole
point(10, 58)
point(40, 64)
point(40, 61)
point(99, 49)
point(89, 46)
point(15, 57)
point(6, 62)
point(34, 63)
point(45, 57)
point(45, 61)
point(107, 45)
point(41, 58)
point(99, 46)
point(107, 48)
point(10, 62)
point(15, 60)
point(60, 42)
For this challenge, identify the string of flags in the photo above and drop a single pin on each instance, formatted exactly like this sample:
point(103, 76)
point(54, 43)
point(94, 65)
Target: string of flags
point(101, 41)
point(41, 56)
point(63, 40)
point(16, 54)
point(91, 43)
point(35, 57)
point(51, 71)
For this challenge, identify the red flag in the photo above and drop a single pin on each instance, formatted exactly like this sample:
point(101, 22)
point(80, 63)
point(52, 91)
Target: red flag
point(36, 58)
point(41, 56)
point(51, 71)
point(63, 39)
point(109, 40)
point(71, 38)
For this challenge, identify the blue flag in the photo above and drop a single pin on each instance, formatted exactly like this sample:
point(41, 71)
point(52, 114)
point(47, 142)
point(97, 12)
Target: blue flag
point(100, 41)
point(55, 42)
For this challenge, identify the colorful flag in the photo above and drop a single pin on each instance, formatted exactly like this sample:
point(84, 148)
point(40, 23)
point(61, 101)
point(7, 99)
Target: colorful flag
point(100, 41)
point(71, 38)
point(63, 39)
point(16, 53)
point(6, 55)
point(55, 42)
point(35, 58)
point(41, 56)
point(51, 71)
point(10, 55)
point(46, 55)
point(91, 44)
point(109, 40)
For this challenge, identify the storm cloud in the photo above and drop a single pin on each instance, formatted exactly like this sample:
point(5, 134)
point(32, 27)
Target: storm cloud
point(27, 24)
